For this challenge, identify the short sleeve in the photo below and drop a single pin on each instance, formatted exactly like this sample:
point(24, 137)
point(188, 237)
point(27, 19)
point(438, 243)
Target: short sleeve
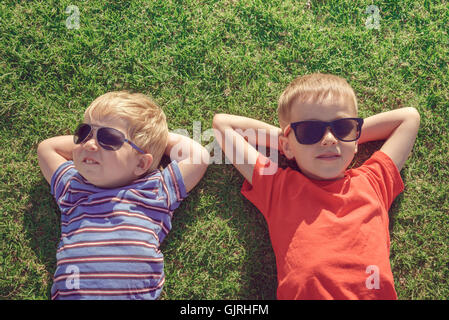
point(61, 179)
point(263, 191)
point(384, 176)
point(175, 185)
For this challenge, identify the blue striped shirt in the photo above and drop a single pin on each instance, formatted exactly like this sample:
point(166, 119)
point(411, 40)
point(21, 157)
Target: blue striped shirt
point(110, 238)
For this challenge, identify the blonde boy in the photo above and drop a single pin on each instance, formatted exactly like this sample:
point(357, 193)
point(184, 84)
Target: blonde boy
point(116, 206)
point(328, 225)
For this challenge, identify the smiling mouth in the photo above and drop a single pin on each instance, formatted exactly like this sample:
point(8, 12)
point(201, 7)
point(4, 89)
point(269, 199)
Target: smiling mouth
point(90, 161)
point(329, 157)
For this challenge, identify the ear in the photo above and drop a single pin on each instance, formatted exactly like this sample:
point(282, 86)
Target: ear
point(356, 147)
point(144, 163)
point(284, 146)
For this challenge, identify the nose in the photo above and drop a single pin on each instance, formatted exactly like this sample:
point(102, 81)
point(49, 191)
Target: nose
point(90, 144)
point(328, 138)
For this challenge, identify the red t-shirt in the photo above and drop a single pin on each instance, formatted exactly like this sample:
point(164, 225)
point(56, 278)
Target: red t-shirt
point(330, 238)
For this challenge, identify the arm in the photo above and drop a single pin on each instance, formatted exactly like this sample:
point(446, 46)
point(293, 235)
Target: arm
point(236, 136)
point(398, 127)
point(52, 153)
point(191, 156)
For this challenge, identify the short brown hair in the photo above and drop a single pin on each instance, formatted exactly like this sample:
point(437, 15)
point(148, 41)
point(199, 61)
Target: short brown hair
point(315, 87)
point(147, 125)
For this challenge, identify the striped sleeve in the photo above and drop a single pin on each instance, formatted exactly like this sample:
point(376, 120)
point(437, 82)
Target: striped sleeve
point(174, 184)
point(60, 180)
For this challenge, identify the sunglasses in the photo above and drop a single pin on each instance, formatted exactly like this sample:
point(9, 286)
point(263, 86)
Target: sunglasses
point(312, 131)
point(108, 138)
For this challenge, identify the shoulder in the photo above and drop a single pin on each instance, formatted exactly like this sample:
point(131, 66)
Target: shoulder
point(62, 175)
point(268, 171)
point(382, 174)
point(167, 182)
point(380, 165)
point(271, 185)
point(172, 176)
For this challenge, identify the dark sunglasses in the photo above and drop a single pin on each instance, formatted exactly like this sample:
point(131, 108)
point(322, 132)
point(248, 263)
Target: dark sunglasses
point(107, 138)
point(312, 131)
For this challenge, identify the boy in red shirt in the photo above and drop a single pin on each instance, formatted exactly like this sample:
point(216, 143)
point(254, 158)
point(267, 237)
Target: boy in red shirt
point(328, 225)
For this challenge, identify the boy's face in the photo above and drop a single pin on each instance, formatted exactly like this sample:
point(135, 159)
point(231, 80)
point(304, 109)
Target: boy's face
point(311, 159)
point(107, 168)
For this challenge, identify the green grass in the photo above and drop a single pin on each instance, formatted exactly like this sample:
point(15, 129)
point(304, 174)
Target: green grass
point(197, 58)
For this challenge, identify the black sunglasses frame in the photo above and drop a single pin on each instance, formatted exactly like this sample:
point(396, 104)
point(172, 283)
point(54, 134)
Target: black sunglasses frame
point(100, 130)
point(323, 125)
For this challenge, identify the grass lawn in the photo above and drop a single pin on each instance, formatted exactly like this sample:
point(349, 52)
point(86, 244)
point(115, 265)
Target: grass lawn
point(198, 58)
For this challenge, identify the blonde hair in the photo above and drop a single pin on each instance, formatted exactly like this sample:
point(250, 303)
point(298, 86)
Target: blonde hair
point(316, 88)
point(147, 125)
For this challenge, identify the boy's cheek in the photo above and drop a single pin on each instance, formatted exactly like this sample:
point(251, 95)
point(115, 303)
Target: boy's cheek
point(75, 156)
point(76, 151)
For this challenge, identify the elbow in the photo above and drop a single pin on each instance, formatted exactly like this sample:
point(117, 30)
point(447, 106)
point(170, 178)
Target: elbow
point(413, 115)
point(218, 120)
point(41, 147)
point(411, 120)
point(218, 126)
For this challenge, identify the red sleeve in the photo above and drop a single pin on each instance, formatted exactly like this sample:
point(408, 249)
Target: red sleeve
point(265, 187)
point(384, 176)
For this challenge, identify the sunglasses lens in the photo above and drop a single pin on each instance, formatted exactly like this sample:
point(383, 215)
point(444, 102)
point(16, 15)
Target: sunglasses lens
point(309, 132)
point(81, 133)
point(110, 139)
point(346, 129)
